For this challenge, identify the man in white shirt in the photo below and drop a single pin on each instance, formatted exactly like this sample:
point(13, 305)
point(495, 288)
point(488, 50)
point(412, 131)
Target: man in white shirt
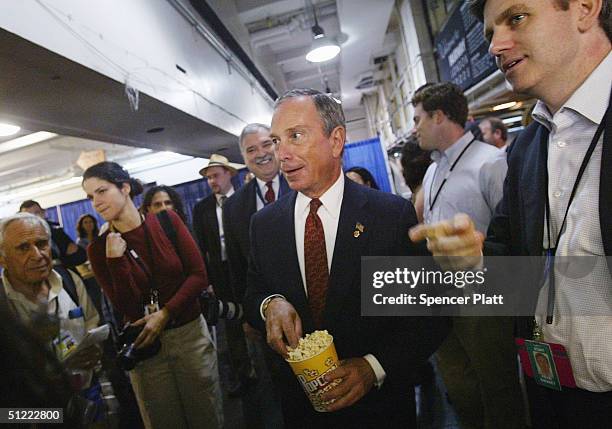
point(30, 286)
point(494, 132)
point(559, 52)
point(467, 176)
point(304, 275)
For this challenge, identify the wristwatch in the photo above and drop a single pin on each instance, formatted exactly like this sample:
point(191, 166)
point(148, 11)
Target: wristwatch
point(266, 302)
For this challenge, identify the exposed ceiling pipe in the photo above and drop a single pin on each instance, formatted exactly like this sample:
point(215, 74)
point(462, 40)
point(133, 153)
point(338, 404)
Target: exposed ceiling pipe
point(304, 17)
point(274, 34)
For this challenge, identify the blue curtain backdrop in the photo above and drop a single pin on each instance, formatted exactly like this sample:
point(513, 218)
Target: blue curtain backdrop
point(51, 214)
point(369, 155)
point(191, 192)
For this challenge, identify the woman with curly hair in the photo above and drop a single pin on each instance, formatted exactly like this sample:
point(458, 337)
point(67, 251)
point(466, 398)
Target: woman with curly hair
point(87, 229)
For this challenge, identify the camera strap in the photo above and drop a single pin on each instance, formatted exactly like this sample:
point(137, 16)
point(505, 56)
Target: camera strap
point(151, 303)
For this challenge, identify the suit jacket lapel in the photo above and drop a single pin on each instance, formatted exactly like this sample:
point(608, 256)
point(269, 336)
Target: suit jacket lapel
point(287, 257)
point(283, 185)
point(251, 201)
point(533, 180)
point(347, 250)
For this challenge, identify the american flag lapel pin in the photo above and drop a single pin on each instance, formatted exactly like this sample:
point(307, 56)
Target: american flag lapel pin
point(359, 228)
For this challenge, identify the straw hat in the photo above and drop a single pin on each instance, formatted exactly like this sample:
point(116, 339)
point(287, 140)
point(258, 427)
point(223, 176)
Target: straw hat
point(218, 161)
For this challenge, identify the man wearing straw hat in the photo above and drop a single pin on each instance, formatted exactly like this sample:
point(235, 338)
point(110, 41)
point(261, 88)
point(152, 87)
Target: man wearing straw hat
point(209, 233)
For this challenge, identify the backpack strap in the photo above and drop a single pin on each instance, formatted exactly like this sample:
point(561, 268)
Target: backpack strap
point(68, 283)
point(168, 227)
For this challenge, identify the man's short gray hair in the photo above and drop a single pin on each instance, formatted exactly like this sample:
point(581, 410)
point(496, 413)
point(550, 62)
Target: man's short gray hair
point(330, 110)
point(28, 219)
point(252, 129)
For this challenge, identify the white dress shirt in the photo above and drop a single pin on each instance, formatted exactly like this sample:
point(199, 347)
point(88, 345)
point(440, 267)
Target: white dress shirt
point(588, 339)
point(329, 213)
point(263, 188)
point(220, 221)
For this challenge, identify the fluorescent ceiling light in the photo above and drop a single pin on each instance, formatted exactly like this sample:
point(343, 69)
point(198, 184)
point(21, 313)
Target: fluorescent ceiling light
point(512, 120)
point(504, 106)
point(8, 129)
point(154, 160)
point(24, 141)
point(30, 192)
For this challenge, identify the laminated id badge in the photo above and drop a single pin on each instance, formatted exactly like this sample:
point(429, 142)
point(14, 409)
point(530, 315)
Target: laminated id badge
point(547, 363)
point(64, 344)
point(152, 305)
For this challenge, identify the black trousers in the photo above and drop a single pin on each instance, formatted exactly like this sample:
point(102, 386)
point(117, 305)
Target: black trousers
point(568, 409)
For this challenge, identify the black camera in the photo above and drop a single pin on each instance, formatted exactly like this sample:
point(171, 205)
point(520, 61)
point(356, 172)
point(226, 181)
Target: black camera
point(214, 309)
point(129, 356)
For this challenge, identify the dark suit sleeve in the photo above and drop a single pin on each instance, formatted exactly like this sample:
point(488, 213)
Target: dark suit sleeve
point(234, 256)
point(407, 342)
point(498, 233)
point(256, 290)
point(62, 240)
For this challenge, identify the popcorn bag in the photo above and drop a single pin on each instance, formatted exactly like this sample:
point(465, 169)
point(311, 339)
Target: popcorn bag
point(314, 357)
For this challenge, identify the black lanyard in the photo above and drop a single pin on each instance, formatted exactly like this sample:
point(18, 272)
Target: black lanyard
point(431, 204)
point(133, 255)
point(551, 251)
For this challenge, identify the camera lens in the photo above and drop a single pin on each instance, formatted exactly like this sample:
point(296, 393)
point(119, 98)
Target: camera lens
point(126, 358)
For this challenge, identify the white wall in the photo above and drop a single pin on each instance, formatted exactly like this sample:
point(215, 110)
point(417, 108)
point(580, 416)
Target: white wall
point(357, 125)
point(140, 42)
point(172, 174)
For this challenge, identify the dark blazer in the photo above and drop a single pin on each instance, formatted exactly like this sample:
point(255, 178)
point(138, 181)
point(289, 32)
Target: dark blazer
point(517, 228)
point(401, 345)
point(237, 212)
point(206, 231)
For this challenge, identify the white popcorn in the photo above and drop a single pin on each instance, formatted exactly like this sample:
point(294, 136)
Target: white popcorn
point(310, 345)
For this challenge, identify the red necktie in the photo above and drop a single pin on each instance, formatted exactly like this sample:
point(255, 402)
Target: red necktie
point(269, 197)
point(315, 262)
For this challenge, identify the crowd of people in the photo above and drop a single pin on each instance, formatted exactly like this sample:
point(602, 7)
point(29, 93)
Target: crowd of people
point(279, 258)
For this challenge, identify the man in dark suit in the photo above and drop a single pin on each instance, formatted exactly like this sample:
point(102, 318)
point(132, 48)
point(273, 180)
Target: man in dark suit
point(304, 275)
point(265, 188)
point(210, 235)
point(208, 225)
point(570, 74)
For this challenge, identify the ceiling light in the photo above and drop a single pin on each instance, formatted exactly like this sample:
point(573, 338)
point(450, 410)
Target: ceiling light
point(26, 140)
point(322, 48)
point(512, 120)
point(8, 129)
point(504, 106)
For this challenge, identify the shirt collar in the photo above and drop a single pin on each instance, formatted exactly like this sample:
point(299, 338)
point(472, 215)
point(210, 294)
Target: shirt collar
point(228, 194)
point(262, 184)
point(584, 100)
point(331, 200)
point(55, 286)
point(452, 152)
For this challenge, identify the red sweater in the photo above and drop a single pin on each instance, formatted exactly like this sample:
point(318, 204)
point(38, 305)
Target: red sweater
point(126, 284)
